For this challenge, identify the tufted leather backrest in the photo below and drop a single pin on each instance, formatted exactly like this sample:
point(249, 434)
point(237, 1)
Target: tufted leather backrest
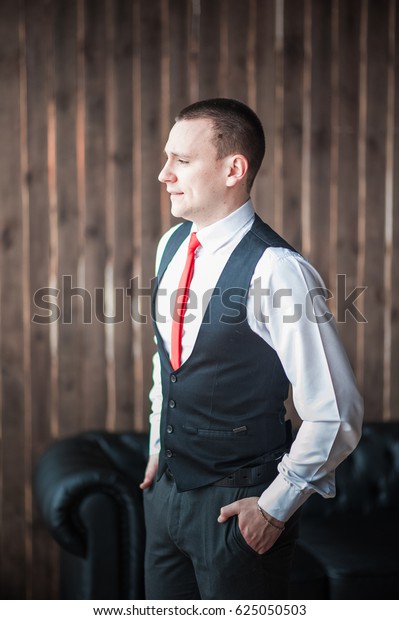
point(368, 479)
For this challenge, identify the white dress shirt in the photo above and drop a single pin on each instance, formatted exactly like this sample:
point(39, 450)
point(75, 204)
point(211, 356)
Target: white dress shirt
point(280, 310)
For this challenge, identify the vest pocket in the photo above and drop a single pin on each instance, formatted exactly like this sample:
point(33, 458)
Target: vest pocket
point(234, 433)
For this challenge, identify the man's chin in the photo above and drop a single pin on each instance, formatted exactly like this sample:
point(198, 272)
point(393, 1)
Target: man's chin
point(179, 211)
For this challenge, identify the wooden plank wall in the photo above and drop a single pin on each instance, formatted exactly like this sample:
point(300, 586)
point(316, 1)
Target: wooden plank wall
point(89, 89)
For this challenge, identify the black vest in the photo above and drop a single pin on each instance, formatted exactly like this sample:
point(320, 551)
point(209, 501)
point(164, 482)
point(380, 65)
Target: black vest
point(224, 407)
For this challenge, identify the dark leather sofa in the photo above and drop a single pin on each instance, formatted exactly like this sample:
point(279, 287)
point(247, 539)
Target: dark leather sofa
point(87, 490)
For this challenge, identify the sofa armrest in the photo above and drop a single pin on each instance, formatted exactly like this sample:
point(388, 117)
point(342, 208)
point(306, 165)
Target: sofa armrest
point(73, 468)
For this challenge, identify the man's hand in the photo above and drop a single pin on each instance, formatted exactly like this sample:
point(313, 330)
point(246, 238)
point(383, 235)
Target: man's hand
point(254, 528)
point(150, 471)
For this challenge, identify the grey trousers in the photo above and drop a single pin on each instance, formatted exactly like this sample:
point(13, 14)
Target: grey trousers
point(189, 555)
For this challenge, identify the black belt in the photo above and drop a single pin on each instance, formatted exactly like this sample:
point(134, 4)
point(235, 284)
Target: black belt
point(250, 476)
point(247, 476)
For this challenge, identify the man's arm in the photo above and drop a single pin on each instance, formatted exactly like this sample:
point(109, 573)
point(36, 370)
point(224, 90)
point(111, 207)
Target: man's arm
point(155, 420)
point(324, 390)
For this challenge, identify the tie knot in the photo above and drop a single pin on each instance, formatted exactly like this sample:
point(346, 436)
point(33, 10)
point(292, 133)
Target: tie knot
point(194, 243)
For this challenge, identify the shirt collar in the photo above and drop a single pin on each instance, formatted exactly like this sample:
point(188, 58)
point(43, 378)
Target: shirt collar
point(215, 236)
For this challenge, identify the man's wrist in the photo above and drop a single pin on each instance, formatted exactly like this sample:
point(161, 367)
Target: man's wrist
point(271, 521)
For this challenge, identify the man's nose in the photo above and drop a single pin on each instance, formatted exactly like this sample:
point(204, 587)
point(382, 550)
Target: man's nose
point(167, 175)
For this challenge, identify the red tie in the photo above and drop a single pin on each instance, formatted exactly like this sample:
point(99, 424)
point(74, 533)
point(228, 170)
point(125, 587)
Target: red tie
point(181, 303)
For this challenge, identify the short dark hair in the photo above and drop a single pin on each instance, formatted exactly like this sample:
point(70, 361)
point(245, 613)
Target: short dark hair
point(237, 129)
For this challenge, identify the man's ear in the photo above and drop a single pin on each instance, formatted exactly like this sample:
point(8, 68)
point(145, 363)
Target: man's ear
point(237, 169)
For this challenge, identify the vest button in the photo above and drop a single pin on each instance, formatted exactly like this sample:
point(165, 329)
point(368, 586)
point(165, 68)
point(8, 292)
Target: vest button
point(169, 453)
point(173, 378)
point(169, 429)
point(172, 404)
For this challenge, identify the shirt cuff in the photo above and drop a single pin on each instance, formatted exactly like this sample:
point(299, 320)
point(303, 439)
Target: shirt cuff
point(281, 498)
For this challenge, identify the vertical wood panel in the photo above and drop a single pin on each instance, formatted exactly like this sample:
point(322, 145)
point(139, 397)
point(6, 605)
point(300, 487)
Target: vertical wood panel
point(94, 370)
point(291, 114)
point(394, 396)
point(194, 13)
point(389, 288)
point(265, 59)
point(137, 192)
point(306, 129)
point(109, 299)
point(25, 286)
point(151, 149)
point(179, 27)
point(237, 41)
point(278, 171)
point(167, 89)
point(39, 56)
point(223, 43)
point(346, 248)
point(210, 52)
point(122, 66)
point(70, 406)
point(375, 200)
point(12, 577)
point(180, 31)
point(293, 102)
point(320, 135)
point(361, 197)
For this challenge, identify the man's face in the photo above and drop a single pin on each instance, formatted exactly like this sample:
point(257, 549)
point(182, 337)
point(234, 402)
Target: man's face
point(194, 177)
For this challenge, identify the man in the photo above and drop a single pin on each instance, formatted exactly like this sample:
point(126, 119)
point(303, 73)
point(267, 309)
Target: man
point(223, 484)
